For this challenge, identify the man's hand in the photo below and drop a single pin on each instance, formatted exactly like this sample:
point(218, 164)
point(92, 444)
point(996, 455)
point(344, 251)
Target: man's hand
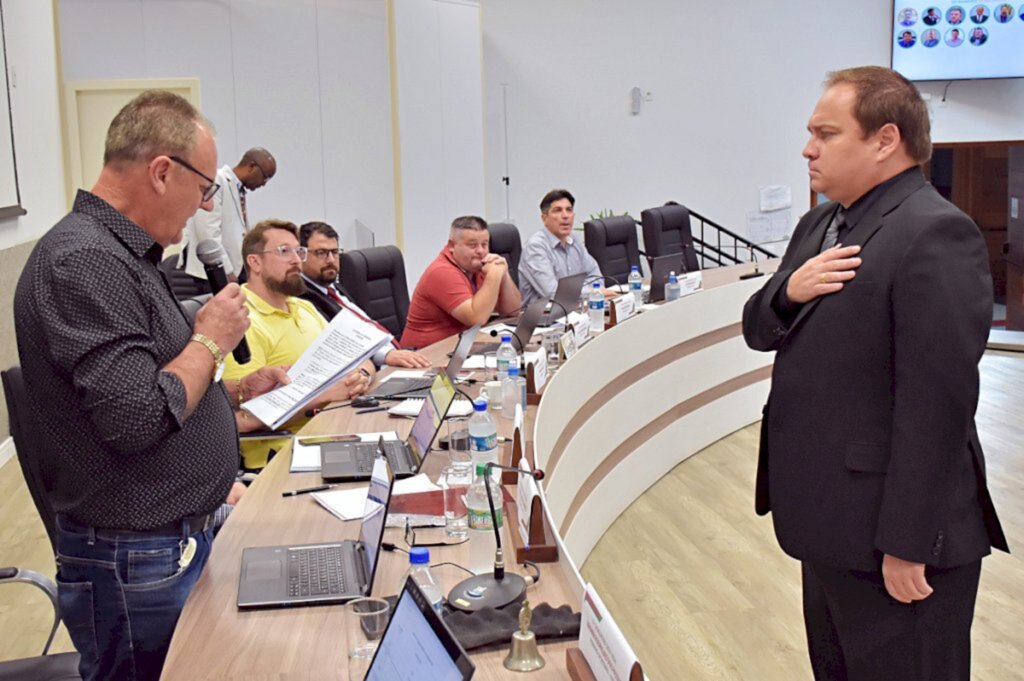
point(235, 495)
point(355, 384)
point(406, 358)
point(823, 274)
point(224, 318)
point(263, 381)
point(494, 265)
point(905, 581)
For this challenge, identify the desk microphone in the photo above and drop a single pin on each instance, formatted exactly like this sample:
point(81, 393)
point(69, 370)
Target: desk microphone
point(211, 254)
point(494, 589)
point(757, 270)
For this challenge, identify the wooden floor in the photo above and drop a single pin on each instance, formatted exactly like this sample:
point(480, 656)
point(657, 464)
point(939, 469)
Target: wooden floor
point(690, 573)
point(702, 591)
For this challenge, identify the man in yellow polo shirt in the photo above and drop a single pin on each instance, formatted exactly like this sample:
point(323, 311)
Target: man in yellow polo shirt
point(282, 326)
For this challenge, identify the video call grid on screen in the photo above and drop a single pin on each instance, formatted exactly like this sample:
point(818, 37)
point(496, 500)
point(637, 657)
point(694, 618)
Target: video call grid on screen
point(958, 40)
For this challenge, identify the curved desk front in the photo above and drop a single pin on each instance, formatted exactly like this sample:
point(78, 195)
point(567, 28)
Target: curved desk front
point(632, 404)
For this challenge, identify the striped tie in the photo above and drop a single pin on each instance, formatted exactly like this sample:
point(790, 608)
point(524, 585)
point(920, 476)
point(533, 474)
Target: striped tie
point(832, 233)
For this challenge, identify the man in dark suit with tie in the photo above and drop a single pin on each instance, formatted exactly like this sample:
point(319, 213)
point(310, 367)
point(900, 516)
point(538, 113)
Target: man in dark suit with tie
point(870, 462)
point(320, 273)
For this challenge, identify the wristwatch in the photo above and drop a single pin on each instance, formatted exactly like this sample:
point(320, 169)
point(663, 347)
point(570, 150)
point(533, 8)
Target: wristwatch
point(218, 356)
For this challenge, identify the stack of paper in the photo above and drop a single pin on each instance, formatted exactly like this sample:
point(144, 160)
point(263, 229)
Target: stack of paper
point(411, 407)
point(347, 342)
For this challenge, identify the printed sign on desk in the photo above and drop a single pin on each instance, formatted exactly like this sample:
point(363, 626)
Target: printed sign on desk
point(602, 643)
point(526, 490)
point(691, 282)
point(624, 307)
point(538, 360)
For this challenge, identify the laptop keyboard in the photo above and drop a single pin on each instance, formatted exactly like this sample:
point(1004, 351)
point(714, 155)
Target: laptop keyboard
point(394, 450)
point(315, 571)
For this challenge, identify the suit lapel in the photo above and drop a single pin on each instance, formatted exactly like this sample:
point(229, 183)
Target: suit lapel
point(810, 247)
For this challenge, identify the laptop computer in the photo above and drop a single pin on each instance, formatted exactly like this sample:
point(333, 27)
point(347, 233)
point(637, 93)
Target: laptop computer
point(660, 269)
point(566, 299)
point(320, 574)
point(414, 386)
point(523, 331)
point(417, 644)
point(348, 461)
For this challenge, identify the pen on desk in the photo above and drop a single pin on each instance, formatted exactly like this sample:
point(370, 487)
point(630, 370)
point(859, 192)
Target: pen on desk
point(371, 410)
point(306, 490)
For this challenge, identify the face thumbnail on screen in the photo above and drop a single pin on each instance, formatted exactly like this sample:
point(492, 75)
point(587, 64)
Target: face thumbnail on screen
point(958, 40)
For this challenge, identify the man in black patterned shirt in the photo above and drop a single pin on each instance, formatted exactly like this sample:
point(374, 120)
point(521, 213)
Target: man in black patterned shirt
point(139, 439)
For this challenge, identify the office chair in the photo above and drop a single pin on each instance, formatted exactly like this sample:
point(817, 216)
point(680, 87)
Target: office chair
point(667, 231)
point(375, 280)
point(613, 244)
point(182, 284)
point(45, 667)
point(505, 242)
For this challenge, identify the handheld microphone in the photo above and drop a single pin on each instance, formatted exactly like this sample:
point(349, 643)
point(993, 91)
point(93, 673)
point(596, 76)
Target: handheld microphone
point(495, 589)
point(757, 270)
point(211, 254)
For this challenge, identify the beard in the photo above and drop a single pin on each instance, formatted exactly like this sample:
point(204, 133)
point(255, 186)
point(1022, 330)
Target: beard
point(291, 285)
point(326, 276)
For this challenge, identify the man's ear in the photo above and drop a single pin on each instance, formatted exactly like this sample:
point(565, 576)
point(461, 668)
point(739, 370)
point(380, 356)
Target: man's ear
point(889, 140)
point(158, 170)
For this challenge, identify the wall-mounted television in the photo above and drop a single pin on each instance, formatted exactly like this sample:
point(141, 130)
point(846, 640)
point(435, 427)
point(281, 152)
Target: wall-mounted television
point(958, 40)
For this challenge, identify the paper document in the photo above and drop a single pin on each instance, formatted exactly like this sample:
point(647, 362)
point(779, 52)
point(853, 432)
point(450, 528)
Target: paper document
point(306, 458)
point(477, 362)
point(347, 504)
point(411, 407)
point(345, 344)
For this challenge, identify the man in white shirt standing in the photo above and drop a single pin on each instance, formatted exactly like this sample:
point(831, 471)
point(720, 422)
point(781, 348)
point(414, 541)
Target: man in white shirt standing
point(320, 273)
point(228, 220)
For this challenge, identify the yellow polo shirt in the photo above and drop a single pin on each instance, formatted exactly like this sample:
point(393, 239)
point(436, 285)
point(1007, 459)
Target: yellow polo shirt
point(275, 338)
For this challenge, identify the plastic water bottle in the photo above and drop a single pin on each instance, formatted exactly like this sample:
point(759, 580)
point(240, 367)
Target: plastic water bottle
point(595, 303)
point(506, 356)
point(483, 437)
point(481, 528)
point(419, 570)
point(672, 289)
point(636, 285)
point(513, 392)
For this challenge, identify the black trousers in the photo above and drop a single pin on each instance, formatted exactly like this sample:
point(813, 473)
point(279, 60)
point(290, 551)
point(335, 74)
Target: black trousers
point(857, 632)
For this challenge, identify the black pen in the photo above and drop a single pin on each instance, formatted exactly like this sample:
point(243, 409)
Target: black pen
point(371, 410)
point(306, 490)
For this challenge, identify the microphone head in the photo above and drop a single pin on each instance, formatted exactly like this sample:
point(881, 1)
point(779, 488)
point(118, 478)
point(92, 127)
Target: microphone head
point(538, 474)
point(310, 413)
point(210, 252)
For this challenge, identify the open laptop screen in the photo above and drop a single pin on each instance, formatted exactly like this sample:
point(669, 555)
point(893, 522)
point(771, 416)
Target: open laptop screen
point(428, 421)
point(417, 645)
point(374, 513)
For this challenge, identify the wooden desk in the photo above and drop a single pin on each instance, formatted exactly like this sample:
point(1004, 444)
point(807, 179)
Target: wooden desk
point(214, 640)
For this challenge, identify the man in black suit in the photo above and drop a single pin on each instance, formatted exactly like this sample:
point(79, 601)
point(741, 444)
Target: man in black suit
point(320, 272)
point(870, 461)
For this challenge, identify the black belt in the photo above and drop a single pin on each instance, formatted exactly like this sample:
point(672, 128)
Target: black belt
point(196, 523)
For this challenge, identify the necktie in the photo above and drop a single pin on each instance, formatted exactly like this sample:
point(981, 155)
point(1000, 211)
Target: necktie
point(241, 202)
point(832, 233)
point(336, 297)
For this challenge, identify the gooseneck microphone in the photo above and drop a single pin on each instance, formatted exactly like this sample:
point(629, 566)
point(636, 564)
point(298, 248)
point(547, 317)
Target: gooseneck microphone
point(211, 254)
point(757, 270)
point(495, 589)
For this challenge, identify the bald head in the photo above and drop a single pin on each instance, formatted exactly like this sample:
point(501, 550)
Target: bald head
point(256, 168)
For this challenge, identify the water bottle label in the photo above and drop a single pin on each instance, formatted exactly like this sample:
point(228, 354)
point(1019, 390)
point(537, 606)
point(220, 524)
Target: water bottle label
point(483, 443)
point(503, 366)
point(480, 519)
point(596, 304)
point(636, 285)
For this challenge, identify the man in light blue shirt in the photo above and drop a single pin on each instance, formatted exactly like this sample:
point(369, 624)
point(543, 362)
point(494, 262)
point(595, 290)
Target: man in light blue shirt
point(553, 252)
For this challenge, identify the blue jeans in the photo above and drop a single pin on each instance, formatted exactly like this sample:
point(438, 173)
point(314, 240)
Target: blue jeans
point(121, 594)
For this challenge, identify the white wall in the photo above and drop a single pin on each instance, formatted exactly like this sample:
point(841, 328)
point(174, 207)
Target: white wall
point(730, 100)
point(32, 67)
point(307, 79)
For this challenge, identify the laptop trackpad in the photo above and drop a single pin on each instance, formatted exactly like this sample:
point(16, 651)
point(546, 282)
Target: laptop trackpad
point(263, 570)
point(336, 455)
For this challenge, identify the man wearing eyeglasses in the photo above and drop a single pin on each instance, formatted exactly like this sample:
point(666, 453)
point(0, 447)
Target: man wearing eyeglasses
point(227, 220)
point(283, 326)
point(137, 439)
point(320, 273)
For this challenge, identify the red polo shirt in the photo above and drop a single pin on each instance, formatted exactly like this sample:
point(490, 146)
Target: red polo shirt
point(442, 288)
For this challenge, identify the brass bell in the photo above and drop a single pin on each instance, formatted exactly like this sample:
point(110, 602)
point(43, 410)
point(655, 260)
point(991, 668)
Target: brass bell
point(524, 655)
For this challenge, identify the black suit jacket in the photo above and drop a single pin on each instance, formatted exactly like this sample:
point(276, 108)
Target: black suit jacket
point(324, 304)
point(868, 442)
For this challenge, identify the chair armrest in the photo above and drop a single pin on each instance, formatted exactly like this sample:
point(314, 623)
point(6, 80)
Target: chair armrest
point(41, 582)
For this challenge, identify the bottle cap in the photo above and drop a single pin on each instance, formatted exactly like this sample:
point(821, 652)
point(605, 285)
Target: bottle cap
point(506, 338)
point(479, 405)
point(634, 268)
point(597, 284)
point(419, 555)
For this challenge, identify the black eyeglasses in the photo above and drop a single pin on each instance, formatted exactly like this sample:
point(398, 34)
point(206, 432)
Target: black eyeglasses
point(324, 253)
point(410, 538)
point(210, 191)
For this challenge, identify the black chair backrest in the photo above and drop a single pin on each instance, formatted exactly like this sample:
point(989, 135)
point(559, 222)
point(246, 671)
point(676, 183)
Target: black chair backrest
point(505, 242)
point(667, 231)
point(613, 243)
point(375, 278)
point(27, 442)
point(183, 285)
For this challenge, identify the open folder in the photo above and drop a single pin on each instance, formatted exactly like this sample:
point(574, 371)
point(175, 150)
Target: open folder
point(347, 342)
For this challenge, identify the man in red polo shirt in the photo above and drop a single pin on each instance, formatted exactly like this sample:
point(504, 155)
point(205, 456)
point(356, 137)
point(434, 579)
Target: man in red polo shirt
point(461, 288)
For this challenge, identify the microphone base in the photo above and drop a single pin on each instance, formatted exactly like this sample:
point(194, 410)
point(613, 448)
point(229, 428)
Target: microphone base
point(484, 591)
point(751, 275)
